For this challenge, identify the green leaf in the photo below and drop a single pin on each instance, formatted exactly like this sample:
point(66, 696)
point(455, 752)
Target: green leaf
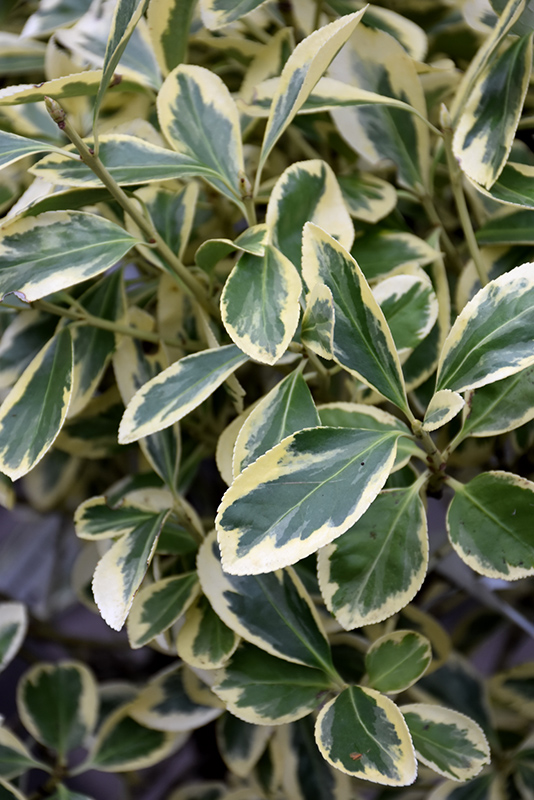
point(49, 16)
point(380, 252)
point(363, 343)
point(96, 519)
point(158, 606)
point(13, 147)
point(10, 792)
point(58, 704)
point(32, 265)
point(514, 186)
point(21, 341)
point(63, 793)
point(218, 13)
point(204, 641)
point(34, 411)
point(169, 22)
point(514, 688)
point(164, 704)
point(13, 627)
point(19, 55)
point(15, 758)
point(376, 62)
point(306, 64)
point(516, 227)
point(178, 390)
point(240, 743)
point(264, 690)
point(377, 567)
point(307, 191)
point(501, 406)
point(490, 524)
point(396, 661)
point(443, 407)
point(121, 569)
point(80, 84)
point(294, 633)
point(410, 307)
point(363, 733)
point(193, 103)
point(368, 197)
point(318, 321)
point(287, 408)
point(129, 160)
point(260, 304)
point(300, 495)
point(407, 33)
point(486, 127)
point(450, 743)
point(492, 336)
point(123, 745)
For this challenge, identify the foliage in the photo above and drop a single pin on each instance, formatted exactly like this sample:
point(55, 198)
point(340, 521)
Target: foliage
point(292, 240)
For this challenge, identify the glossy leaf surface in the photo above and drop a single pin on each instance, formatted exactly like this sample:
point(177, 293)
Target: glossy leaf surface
point(397, 660)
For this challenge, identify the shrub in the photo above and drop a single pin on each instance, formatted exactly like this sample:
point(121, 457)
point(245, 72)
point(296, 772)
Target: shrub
point(285, 247)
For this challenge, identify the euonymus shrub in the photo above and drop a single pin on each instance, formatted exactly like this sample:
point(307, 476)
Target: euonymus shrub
point(246, 232)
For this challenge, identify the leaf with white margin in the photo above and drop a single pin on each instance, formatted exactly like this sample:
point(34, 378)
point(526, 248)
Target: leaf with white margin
point(21, 341)
point(490, 524)
point(411, 36)
point(52, 14)
point(218, 13)
point(363, 733)
point(121, 569)
point(95, 518)
point(178, 390)
point(158, 606)
point(15, 758)
point(287, 408)
point(318, 320)
point(164, 704)
point(295, 633)
point(11, 792)
point(301, 495)
point(193, 103)
point(380, 252)
point(79, 84)
point(513, 186)
point(448, 742)
point(52, 251)
point(13, 147)
point(260, 304)
point(169, 22)
point(501, 406)
point(13, 627)
point(265, 690)
point(410, 307)
point(306, 64)
point(492, 337)
point(307, 191)
point(363, 343)
point(368, 197)
point(58, 704)
point(379, 565)
point(204, 641)
point(397, 660)
point(240, 743)
point(485, 130)
point(443, 407)
point(35, 409)
point(123, 745)
point(224, 451)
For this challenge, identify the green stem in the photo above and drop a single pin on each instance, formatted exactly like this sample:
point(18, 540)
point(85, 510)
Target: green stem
point(461, 204)
point(448, 246)
point(178, 270)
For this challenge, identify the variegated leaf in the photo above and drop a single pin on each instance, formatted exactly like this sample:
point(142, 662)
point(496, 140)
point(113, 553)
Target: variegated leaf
point(15, 758)
point(123, 745)
point(58, 704)
point(307, 63)
point(158, 606)
point(260, 304)
point(501, 406)
point(13, 627)
point(306, 191)
point(218, 13)
point(32, 263)
point(368, 197)
point(121, 569)
point(97, 519)
point(21, 341)
point(513, 689)
point(79, 84)
point(512, 227)
point(240, 743)
point(411, 36)
point(204, 641)
point(11, 792)
point(376, 62)
point(265, 690)
point(490, 524)
point(410, 307)
point(397, 660)
point(168, 23)
point(443, 407)
point(164, 704)
point(450, 743)
point(300, 495)
point(53, 14)
point(378, 253)
point(363, 343)
point(193, 103)
point(178, 390)
point(19, 55)
point(318, 320)
point(34, 411)
point(294, 634)
point(492, 336)
point(363, 733)
point(287, 408)
point(486, 127)
point(13, 147)
point(487, 786)
point(377, 567)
